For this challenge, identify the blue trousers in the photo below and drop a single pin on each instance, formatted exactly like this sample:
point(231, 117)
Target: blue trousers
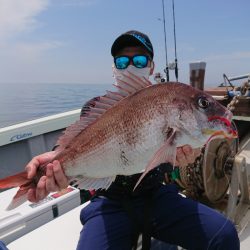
point(174, 219)
point(2, 246)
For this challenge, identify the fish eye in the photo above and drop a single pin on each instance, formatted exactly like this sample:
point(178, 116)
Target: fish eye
point(203, 102)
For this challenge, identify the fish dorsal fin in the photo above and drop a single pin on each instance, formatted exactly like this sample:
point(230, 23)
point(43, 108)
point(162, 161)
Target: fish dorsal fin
point(128, 85)
point(70, 132)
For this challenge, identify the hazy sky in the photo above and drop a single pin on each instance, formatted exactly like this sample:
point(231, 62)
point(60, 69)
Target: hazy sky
point(68, 41)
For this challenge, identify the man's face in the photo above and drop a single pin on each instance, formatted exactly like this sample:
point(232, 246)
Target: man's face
point(132, 51)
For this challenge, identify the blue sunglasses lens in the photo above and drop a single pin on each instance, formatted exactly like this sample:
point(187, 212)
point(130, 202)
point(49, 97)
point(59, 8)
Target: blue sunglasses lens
point(122, 62)
point(139, 61)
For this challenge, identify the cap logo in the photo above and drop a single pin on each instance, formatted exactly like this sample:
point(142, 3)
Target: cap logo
point(143, 40)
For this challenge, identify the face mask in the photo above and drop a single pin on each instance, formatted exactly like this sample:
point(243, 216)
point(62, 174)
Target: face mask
point(143, 72)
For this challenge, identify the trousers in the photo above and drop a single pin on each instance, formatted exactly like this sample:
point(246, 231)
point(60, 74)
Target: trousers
point(174, 219)
point(2, 246)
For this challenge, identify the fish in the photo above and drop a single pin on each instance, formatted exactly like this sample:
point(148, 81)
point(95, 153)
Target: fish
point(132, 130)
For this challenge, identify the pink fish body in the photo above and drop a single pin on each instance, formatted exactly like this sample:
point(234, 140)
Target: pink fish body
point(133, 131)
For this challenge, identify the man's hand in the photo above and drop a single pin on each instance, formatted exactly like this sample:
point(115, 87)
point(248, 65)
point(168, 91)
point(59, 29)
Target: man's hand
point(54, 180)
point(186, 155)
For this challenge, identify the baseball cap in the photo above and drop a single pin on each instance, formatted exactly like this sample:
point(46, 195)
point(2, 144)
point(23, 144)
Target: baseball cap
point(132, 38)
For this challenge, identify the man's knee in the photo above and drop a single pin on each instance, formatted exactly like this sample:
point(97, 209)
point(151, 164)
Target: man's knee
point(225, 238)
point(230, 235)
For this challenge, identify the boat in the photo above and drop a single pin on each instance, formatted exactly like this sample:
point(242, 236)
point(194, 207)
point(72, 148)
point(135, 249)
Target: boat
point(24, 141)
point(221, 176)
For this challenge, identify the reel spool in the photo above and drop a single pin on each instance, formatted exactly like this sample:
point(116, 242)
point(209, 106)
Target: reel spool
point(210, 175)
point(217, 167)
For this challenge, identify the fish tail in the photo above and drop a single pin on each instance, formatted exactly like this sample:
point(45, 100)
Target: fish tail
point(14, 180)
point(18, 180)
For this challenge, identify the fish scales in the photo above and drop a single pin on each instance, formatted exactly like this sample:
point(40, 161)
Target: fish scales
point(121, 133)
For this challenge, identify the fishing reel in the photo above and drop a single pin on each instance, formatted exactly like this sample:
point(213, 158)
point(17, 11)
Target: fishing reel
point(217, 167)
point(209, 177)
point(242, 90)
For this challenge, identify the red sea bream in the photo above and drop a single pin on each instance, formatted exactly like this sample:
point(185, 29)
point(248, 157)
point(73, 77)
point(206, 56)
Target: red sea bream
point(132, 131)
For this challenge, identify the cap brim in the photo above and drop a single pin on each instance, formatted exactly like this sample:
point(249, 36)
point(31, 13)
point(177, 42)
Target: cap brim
point(125, 41)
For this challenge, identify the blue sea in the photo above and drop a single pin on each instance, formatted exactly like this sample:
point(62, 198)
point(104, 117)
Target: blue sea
point(24, 102)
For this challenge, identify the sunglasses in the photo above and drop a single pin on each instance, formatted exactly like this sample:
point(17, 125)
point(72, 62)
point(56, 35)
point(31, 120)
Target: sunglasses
point(139, 61)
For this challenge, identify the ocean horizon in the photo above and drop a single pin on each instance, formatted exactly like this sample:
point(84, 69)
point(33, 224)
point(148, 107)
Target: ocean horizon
point(28, 101)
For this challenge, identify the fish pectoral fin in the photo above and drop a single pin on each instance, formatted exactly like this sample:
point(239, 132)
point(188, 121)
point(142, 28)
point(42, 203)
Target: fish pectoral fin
point(87, 183)
point(166, 154)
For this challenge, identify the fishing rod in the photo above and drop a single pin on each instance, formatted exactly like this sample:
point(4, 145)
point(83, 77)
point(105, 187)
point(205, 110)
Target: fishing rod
point(166, 70)
point(176, 61)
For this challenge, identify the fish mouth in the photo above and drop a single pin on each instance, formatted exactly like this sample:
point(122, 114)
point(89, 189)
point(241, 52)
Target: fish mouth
point(220, 126)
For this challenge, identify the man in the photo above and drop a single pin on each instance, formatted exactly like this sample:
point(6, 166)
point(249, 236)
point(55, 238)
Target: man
point(115, 216)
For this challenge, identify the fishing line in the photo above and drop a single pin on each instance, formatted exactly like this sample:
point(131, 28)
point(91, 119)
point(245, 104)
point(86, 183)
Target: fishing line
point(227, 219)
